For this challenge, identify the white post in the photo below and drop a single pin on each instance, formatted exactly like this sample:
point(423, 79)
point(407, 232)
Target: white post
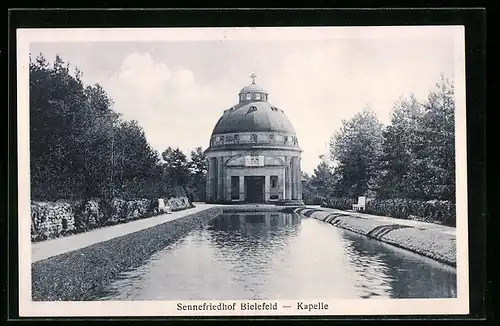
point(288, 179)
point(267, 188)
point(220, 179)
point(293, 175)
point(282, 184)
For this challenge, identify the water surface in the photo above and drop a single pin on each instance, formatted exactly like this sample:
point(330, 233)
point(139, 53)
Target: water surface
point(280, 256)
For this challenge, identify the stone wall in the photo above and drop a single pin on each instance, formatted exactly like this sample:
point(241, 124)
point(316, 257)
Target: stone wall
point(54, 219)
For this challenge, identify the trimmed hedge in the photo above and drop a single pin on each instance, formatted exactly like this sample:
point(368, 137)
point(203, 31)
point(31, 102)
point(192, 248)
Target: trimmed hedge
point(433, 211)
point(339, 203)
point(314, 201)
point(289, 202)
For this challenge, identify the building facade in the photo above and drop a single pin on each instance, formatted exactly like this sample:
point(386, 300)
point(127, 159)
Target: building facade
point(254, 153)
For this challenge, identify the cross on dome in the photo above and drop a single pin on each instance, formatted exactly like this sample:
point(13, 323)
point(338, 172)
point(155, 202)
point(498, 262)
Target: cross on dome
point(253, 76)
point(252, 92)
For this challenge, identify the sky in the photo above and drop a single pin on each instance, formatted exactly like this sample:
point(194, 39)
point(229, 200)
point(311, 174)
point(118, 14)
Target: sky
point(177, 87)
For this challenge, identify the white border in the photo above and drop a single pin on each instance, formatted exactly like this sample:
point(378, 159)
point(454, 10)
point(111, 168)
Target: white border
point(28, 308)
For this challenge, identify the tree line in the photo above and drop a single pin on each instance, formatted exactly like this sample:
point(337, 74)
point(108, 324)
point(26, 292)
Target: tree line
point(80, 147)
point(413, 157)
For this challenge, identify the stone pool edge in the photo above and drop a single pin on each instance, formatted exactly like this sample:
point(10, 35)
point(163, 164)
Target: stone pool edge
point(425, 242)
point(73, 276)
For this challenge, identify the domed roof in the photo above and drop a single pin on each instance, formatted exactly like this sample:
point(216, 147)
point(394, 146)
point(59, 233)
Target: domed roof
point(253, 117)
point(252, 88)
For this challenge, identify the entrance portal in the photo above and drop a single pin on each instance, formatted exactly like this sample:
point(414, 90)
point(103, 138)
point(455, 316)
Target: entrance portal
point(254, 189)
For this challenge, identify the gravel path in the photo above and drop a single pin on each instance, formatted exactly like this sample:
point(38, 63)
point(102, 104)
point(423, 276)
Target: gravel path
point(49, 248)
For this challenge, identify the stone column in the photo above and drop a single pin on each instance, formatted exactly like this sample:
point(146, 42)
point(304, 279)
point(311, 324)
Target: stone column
point(294, 177)
point(299, 179)
point(211, 179)
point(227, 186)
point(267, 188)
point(281, 181)
point(242, 188)
point(207, 183)
point(215, 184)
point(220, 179)
point(288, 178)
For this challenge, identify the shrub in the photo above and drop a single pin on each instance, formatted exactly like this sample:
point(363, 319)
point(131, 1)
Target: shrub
point(316, 200)
point(339, 203)
point(51, 219)
point(178, 203)
point(433, 211)
point(87, 215)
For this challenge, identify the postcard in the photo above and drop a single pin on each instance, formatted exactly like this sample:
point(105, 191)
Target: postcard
point(284, 171)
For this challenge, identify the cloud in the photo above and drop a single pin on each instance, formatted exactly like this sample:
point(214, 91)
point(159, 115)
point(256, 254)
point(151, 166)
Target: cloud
point(166, 101)
point(140, 76)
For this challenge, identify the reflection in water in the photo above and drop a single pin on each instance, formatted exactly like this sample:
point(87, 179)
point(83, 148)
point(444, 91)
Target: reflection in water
point(280, 256)
point(390, 267)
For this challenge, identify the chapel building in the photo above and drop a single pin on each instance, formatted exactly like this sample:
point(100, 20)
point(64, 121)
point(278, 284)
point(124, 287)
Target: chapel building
point(254, 153)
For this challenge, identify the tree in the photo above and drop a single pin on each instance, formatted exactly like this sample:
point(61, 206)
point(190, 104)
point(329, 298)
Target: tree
point(308, 192)
point(319, 185)
point(134, 161)
point(57, 109)
point(99, 129)
point(322, 180)
point(400, 140)
point(79, 146)
point(198, 169)
point(198, 162)
point(357, 149)
point(176, 170)
point(435, 157)
point(419, 151)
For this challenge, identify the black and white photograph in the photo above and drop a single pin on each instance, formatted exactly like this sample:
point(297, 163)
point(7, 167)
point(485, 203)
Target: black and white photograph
point(242, 171)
